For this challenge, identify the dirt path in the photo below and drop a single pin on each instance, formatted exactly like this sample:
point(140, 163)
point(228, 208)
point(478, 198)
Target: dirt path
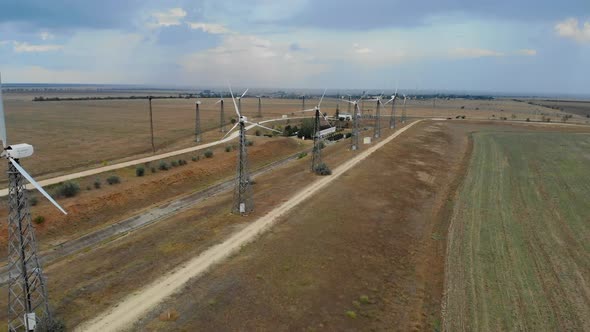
point(124, 314)
point(90, 172)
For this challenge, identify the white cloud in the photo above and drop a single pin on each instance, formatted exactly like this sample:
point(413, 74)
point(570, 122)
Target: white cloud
point(172, 16)
point(361, 50)
point(212, 28)
point(570, 28)
point(527, 52)
point(474, 53)
point(251, 60)
point(24, 47)
point(46, 35)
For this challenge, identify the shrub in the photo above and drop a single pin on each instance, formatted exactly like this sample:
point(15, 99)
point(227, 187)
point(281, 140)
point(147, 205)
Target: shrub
point(113, 179)
point(97, 183)
point(33, 201)
point(249, 143)
point(258, 132)
point(39, 220)
point(364, 299)
point(228, 148)
point(163, 166)
point(153, 169)
point(302, 155)
point(195, 158)
point(173, 163)
point(68, 189)
point(181, 162)
point(351, 314)
point(208, 154)
point(139, 171)
point(233, 121)
point(528, 120)
point(322, 169)
point(88, 188)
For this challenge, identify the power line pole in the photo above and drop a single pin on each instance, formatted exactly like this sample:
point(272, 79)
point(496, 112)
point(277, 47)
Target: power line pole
point(259, 107)
point(354, 140)
point(152, 125)
point(197, 122)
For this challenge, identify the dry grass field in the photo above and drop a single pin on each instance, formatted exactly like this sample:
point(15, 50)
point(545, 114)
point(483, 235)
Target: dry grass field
point(519, 241)
point(75, 135)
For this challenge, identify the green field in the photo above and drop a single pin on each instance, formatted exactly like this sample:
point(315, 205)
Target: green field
point(518, 252)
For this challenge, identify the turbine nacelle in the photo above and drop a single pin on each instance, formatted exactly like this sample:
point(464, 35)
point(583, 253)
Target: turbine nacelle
point(19, 151)
point(243, 119)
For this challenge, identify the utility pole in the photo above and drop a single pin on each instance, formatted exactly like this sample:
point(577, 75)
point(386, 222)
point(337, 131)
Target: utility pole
point(197, 122)
point(377, 129)
point(152, 125)
point(243, 198)
point(259, 107)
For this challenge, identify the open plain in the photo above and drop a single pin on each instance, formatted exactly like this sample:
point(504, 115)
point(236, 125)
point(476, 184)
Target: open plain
point(367, 253)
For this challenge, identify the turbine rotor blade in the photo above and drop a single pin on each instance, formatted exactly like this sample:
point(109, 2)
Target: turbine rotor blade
point(235, 105)
point(229, 131)
point(35, 184)
point(321, 99)
point(259, 125)
point(2, 118)
point(243, 94)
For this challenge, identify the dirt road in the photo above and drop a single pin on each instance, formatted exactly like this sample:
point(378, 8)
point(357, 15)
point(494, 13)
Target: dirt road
point(77, 175)
point(124, 314)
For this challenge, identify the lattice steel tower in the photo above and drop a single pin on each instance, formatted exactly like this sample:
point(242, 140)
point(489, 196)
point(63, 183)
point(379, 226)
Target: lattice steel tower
point(316, 157)
point(377, 129)
point(392, 118)
point(243, 200)
point(354, 140)
point(259, 106)
point(27, 295)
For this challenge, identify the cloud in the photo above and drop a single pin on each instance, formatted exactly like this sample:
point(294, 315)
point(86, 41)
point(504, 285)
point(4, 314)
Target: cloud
point(251, 60)
point(24, 47)
point(361, 50)
point(527, 52)
point(474, 53)
point(172, 16)
point(212, 28)
point(570, 28)
point(44, 35)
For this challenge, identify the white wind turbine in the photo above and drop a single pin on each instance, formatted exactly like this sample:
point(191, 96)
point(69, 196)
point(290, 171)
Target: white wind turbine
point(243, 199)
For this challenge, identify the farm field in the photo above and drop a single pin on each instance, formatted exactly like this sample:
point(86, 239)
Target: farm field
point(578, 107)
point(518, 255)
point(75, 135)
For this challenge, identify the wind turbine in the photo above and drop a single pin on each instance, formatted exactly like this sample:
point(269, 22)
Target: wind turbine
point(27, 295)
point(354, 140)
point(240, 99)
point(316, 159)
point(377, 128)
point(392, 118)
point(221, 115)
point(243, 199)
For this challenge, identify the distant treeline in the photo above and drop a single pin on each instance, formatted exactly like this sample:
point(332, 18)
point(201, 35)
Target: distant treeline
point(179, 96)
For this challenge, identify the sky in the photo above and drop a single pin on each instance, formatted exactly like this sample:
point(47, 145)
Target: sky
point(518, 46)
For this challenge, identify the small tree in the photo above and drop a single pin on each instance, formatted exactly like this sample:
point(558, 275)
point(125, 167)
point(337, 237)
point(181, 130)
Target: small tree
point(208, 154)
point(113, 179)
point(139, 171)
point(68, 189)
point(322, 169)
